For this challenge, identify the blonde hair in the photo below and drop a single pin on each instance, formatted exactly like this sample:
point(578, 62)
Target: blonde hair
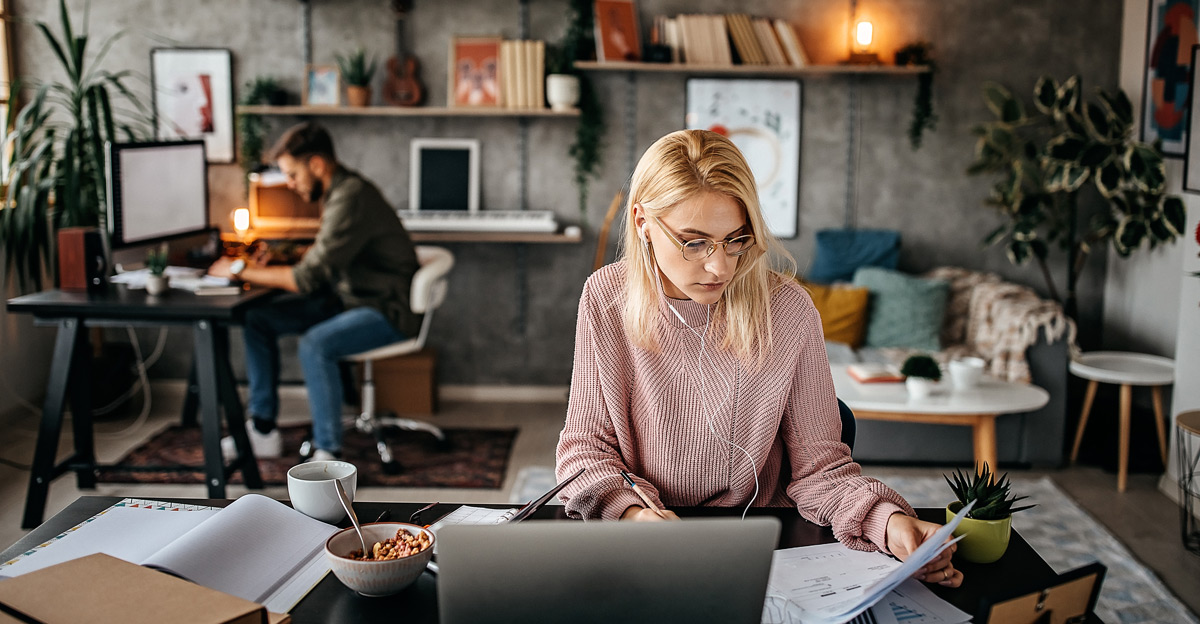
point(676, 168)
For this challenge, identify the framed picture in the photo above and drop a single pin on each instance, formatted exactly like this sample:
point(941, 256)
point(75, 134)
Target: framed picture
point(617, 34)
point(192, 97)
point(474, 71)
point(1191, 161)
point(322, 86)
point(444, 175)
point(761, 117)
point(1171, 31)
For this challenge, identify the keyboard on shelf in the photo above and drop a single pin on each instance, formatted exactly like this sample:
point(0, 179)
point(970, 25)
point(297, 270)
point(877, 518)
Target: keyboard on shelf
point(479, 221)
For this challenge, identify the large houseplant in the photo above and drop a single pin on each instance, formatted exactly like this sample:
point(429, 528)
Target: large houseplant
point(56, 173)
point(579, 43)
point(1069, 147)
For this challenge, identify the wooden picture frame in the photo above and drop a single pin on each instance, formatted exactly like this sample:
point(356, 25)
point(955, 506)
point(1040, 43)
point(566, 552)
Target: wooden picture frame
point(761, 117)
point(444, 174)
point(192, 98)
point(475, 78)
point(617, 34)
point(1191, 156)
point(1166, 88)
point(322, 86)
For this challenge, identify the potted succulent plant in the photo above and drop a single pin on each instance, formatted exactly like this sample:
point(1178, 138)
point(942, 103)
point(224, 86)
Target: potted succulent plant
point(357, 73)
point(156, 263)
point(921, 373)
point(988, 525)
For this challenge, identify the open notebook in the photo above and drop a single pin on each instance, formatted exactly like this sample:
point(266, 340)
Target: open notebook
point(256, 548)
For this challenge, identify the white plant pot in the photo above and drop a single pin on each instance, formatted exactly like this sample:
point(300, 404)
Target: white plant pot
point(156, 284)
point(919, 387)
point(562, 91)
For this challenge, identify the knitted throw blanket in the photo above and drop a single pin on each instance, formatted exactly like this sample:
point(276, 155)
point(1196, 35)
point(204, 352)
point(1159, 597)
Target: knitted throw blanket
point(998, 321)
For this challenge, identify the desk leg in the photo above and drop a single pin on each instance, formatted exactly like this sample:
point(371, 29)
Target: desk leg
point(191, 398)
point(70, 340)
point(235, 420)
point(985, 441)
point(80, 389)
point(210, 420)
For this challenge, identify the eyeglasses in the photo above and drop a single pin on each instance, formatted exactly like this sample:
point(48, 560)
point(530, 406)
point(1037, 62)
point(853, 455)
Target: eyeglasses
point(701, 248)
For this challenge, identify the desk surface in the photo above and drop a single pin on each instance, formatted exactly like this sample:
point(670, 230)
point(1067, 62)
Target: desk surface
point(121, 303)
point(331, 601)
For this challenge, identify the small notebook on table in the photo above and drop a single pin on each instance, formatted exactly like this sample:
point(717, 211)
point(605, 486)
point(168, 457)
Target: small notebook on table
point(874, 373)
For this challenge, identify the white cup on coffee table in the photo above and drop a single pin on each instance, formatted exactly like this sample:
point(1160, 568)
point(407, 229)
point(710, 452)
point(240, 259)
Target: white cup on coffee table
point(311, 488)
point(966, 372)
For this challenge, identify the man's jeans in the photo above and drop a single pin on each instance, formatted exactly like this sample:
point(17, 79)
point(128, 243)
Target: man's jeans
point(328, 334)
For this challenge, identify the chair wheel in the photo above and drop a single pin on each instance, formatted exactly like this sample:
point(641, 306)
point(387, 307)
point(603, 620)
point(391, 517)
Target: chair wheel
point(392, 468)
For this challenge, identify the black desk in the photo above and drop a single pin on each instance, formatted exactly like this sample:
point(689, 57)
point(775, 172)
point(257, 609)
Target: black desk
point(212, 385)
point(330, 601)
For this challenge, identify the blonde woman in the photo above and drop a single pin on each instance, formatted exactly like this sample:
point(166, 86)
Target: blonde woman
point(702, 372)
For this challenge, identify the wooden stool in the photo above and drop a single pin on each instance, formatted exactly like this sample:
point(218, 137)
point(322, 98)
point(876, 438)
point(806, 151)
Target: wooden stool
point(1187, 437)
point(1127, 370)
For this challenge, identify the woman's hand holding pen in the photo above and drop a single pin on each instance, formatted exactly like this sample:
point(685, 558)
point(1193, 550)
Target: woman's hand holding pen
point(644, 514)
point(905, 534)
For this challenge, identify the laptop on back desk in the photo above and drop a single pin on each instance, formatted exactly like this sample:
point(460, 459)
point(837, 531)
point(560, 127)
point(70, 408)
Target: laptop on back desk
point(700, 570)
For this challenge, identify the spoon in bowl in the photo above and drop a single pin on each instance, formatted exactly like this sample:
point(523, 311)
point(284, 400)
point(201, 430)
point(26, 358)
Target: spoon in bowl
point(350, 512)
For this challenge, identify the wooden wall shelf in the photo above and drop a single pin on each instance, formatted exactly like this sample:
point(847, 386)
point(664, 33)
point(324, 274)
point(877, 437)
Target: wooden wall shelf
point(751, 70)
point(400, 111)
point(495, 237)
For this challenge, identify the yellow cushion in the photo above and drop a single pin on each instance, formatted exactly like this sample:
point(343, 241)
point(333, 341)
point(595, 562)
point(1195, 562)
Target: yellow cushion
point(843, 310)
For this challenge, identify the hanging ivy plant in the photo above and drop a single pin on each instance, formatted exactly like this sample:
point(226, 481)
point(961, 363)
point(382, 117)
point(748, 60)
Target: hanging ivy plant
point(578, 44)
point(252, 129)
point(917, 54)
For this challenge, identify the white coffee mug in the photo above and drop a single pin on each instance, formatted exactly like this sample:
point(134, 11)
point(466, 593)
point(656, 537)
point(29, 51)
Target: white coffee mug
point(966, 372)
point(311, 488)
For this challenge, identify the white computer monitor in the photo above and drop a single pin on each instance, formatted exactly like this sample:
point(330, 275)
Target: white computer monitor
point(156, 191)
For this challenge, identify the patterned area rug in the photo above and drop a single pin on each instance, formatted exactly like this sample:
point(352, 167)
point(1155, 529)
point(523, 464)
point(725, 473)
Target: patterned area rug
point(1067, 537)
point(473, 458)
point(1060, 531)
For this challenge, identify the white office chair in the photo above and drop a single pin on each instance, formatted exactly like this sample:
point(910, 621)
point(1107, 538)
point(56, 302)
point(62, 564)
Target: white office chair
point(428, 292)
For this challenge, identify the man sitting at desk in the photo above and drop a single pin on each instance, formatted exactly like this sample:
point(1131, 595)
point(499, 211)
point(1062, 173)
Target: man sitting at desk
point(352, 292)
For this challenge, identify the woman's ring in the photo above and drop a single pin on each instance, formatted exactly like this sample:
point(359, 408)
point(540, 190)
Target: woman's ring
point(945, 574)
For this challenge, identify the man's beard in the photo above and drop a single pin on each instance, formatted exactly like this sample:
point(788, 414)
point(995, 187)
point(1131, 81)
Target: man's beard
point(317, 190)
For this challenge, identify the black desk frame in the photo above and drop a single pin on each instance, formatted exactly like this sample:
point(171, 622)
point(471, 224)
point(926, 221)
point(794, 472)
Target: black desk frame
point(211, 386)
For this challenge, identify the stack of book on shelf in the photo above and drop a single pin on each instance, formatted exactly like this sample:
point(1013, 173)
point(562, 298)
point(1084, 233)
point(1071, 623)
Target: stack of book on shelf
point(731, 39)
point(522, 74)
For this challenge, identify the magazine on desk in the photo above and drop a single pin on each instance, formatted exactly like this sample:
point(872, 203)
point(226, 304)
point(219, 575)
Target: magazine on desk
point(256, 548)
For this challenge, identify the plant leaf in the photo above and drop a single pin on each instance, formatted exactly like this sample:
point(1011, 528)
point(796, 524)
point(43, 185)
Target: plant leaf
point(1174, 215)
point(1108, 179)
point(997, 97)
point(1066, 147)
point(1044, 94)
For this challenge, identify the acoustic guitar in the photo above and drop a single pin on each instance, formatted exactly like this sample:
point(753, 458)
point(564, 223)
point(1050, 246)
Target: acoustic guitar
point(402, 87)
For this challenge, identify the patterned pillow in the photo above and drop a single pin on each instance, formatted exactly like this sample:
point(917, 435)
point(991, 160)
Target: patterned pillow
point(843, 310)
point(905, 311)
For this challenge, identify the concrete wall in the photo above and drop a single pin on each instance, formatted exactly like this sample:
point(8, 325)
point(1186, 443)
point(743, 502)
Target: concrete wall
point(510, 314)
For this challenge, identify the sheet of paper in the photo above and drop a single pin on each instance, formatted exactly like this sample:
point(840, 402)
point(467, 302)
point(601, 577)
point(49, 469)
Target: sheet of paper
point(254, 547)
point(913, 603)
point(132, 530)
point(471, 515)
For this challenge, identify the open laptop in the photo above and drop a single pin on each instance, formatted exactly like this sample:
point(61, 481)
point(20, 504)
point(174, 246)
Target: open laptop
point(699, 570)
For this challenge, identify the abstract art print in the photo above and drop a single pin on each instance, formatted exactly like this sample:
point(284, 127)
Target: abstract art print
point(761, 117)
point(1171, 34)
point(192, 92)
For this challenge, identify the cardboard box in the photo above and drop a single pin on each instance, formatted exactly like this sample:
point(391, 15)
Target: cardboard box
point(100, 589)
point(407, 384)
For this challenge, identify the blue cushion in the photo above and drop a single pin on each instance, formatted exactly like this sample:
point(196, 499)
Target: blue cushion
point(841, 252)
point(905, 311)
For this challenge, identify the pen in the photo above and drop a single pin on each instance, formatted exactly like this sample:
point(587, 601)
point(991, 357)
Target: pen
point(416, 515)
point(649, 503)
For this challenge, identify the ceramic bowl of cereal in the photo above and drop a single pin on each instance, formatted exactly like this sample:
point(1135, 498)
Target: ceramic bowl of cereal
point(398, 554)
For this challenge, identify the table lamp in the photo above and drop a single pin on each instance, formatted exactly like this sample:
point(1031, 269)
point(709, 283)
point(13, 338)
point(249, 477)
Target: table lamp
point(862, 36)
point(241, 222)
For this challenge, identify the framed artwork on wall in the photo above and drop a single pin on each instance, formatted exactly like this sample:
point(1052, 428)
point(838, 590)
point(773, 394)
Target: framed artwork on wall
point(1170, 34)
point(617, 35)
point(444, 175)
point(1191, 162)
point(474, 72)
point(192, 98)
point(761, 117)
point(322, 86)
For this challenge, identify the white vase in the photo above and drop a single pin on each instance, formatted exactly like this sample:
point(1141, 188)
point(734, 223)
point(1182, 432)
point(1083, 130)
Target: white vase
point(156, 284)
point(919, 387)
point(562, 91)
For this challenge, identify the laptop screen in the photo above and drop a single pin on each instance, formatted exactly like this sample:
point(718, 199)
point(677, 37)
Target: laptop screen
point(699, 570)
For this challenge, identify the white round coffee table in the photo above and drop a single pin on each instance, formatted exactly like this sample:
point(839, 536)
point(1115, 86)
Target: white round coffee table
point(1127, 370)
point(975, 407)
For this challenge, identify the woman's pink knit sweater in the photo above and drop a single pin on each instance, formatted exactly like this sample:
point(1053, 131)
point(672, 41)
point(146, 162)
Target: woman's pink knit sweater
point(654, 415)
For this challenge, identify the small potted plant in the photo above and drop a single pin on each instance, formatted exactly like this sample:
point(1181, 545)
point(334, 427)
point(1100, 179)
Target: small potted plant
point(988, 525)
point(156, 263)
point(357, 73)
point(921, 373)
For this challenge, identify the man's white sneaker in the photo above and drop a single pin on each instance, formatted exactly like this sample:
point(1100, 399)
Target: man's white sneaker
point(322, 455)
point(262, 444)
